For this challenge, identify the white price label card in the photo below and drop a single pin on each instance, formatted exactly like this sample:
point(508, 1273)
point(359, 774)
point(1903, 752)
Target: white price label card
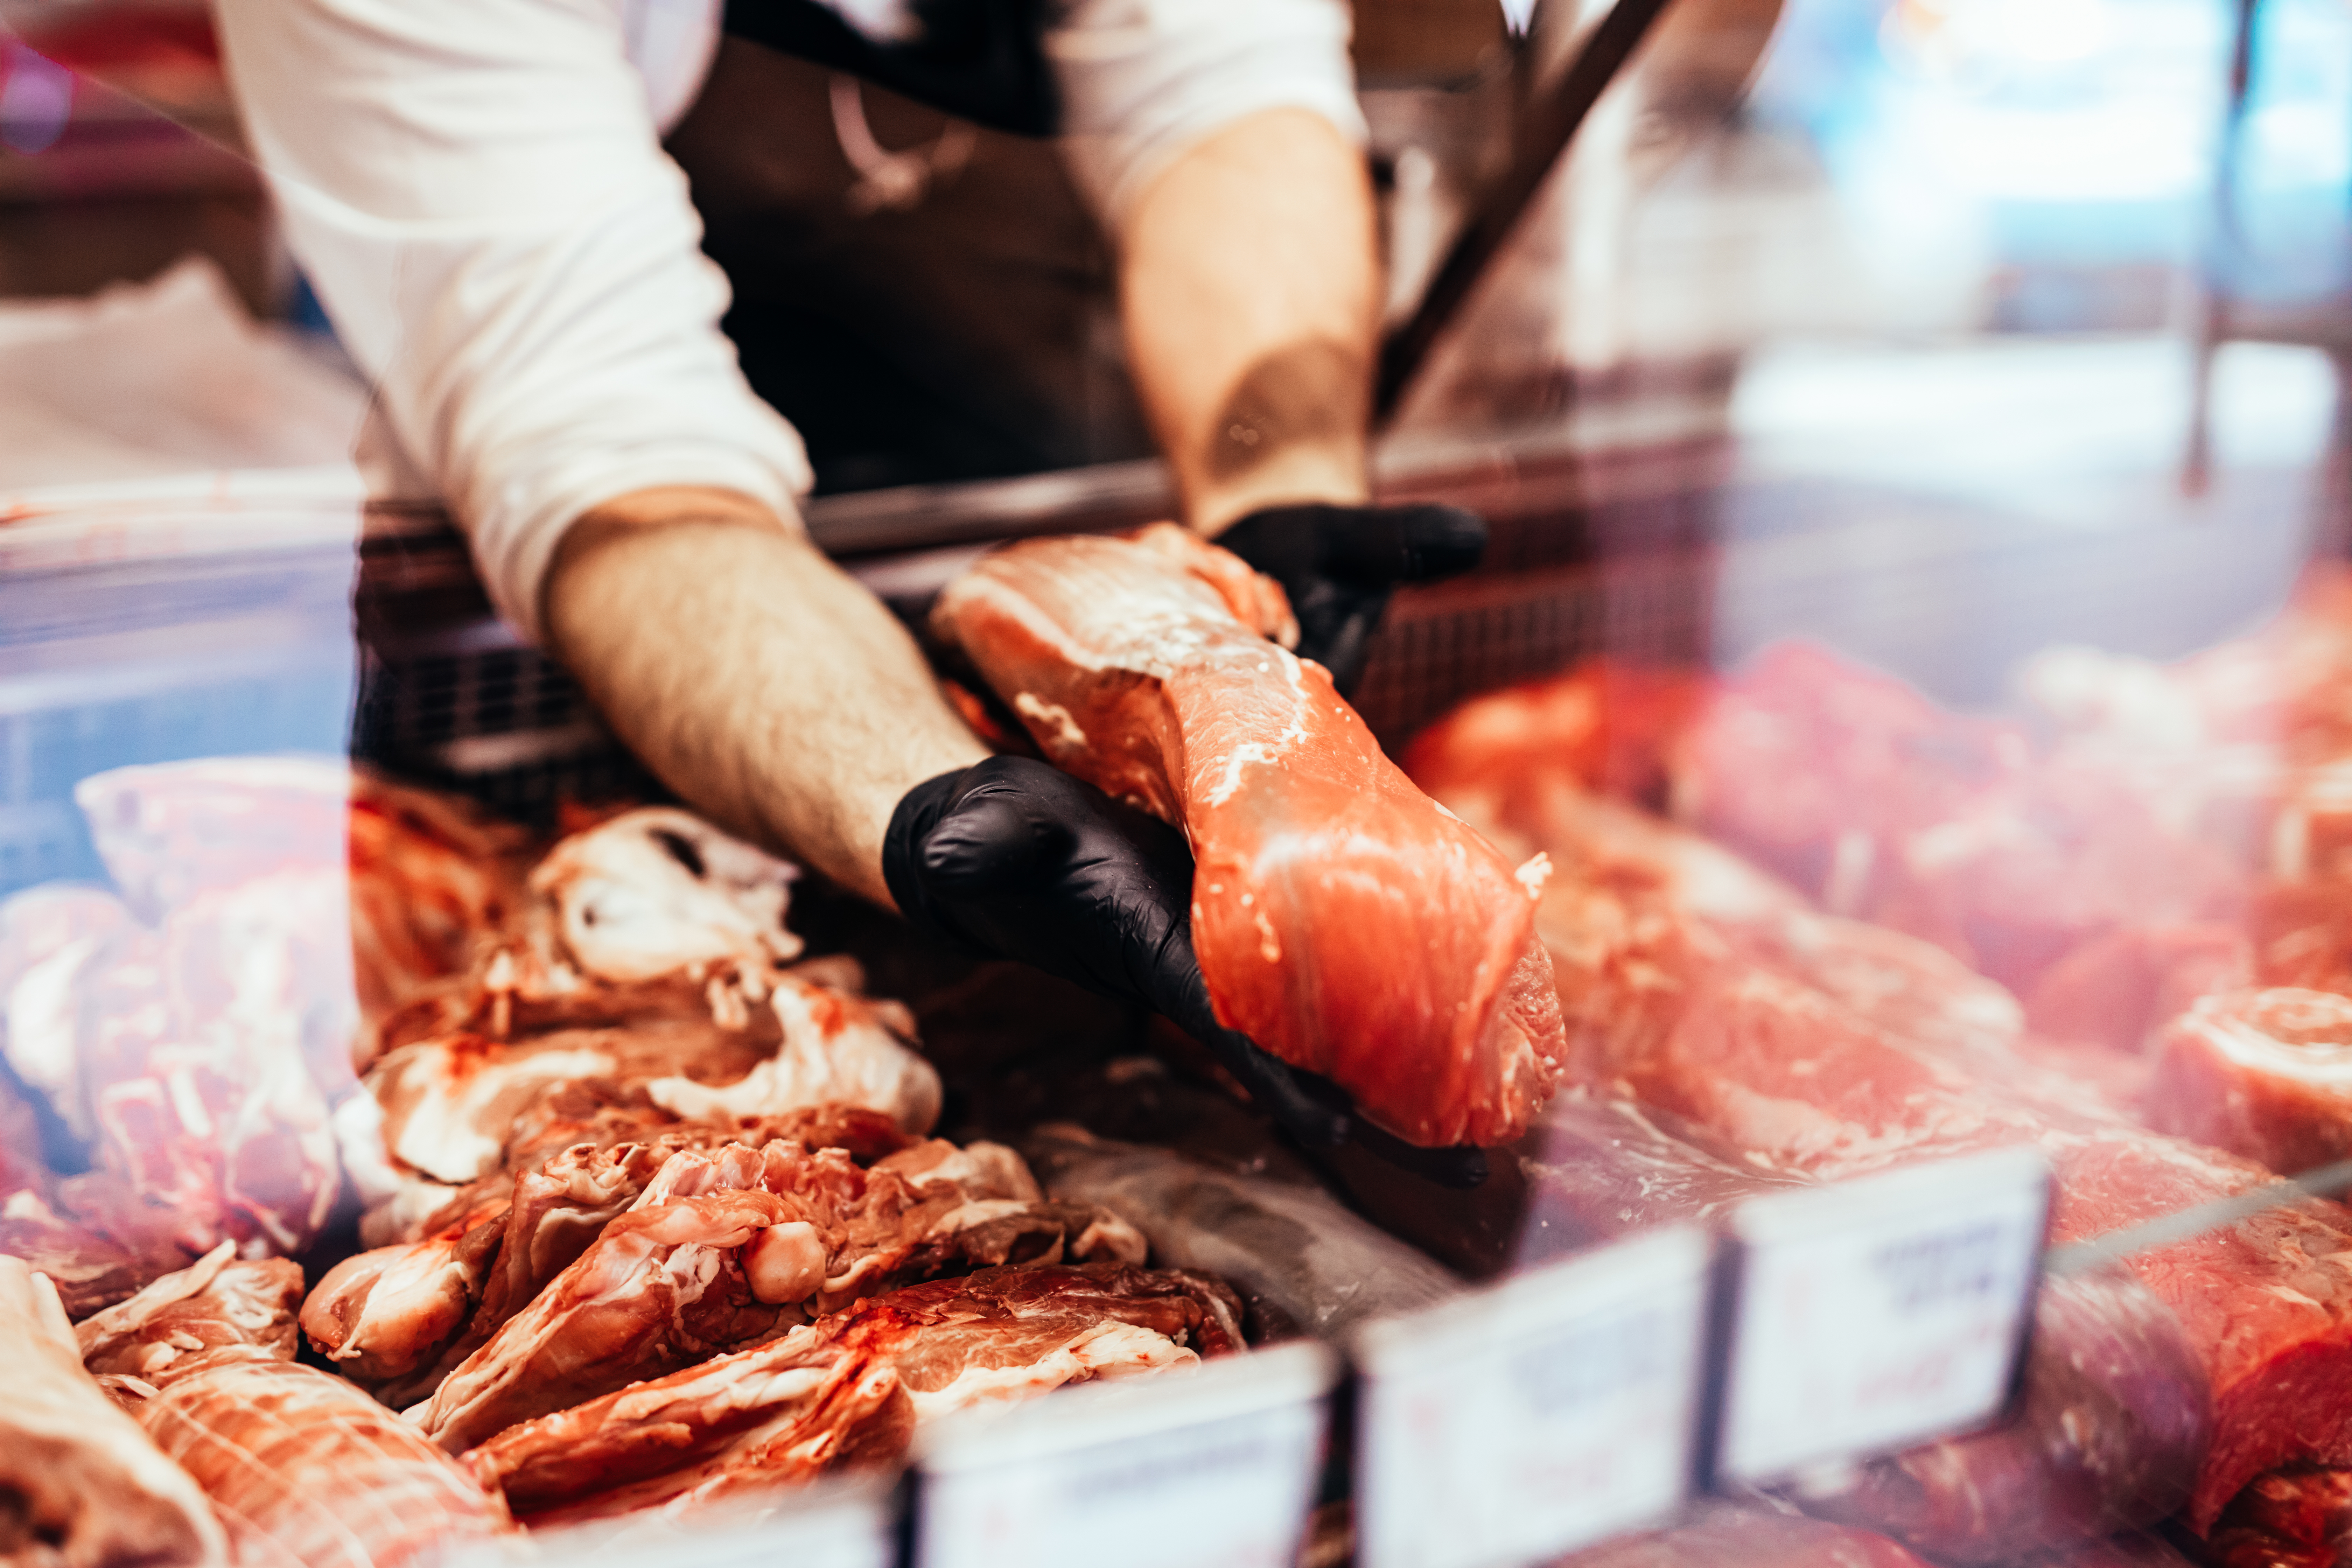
point(1215, 1463)
point(1539, 1415)
point(1873, 1314)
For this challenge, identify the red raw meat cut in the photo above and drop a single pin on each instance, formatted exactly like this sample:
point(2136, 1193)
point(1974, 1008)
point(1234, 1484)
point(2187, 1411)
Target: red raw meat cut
point(1343, 920)
point(848, 1389)
point(2119, 989)
point(2265, 1074)
point(1673, 1007)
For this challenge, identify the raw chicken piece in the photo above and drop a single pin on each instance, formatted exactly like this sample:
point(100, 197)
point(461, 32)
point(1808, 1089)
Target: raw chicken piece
point(83, 1485)
point(2265, 1074)
point(1343, 920)
point(306, 1470)
point(219, 1308)
point(725, 1248)
point(848, 1389)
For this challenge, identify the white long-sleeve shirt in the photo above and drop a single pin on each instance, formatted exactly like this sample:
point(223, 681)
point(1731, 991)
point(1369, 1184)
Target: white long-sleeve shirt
point(477, 191)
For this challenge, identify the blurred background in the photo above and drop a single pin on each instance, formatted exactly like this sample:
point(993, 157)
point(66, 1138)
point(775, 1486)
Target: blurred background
point(1938, 331)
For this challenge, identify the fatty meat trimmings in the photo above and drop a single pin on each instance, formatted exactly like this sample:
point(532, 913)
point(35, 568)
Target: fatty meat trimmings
point(1343, 920)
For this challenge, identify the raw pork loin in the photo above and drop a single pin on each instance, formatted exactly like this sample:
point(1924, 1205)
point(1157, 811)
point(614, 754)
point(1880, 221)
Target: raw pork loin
point(1343, 920)
point(849, 1388)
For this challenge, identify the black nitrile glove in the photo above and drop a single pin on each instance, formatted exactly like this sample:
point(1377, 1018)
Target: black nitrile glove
point(1012, 858)
point(1339, 564)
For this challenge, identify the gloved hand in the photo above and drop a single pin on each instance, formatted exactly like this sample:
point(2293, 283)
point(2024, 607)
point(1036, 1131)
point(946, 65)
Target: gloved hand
point(1012, 858)
point(1340, 563)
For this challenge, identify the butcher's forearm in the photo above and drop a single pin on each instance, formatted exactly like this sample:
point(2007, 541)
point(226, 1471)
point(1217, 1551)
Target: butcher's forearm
point(751, 674)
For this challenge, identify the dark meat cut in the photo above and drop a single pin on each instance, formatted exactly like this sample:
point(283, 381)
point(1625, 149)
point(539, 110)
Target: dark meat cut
point(1343, 920)
point(849, 1388)
point(1679, 1015)
point(83, 1487)
point(2266, 1074)
point(724, 1249)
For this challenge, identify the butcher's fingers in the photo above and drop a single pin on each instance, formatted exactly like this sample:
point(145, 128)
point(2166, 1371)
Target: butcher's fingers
point(83, 1488)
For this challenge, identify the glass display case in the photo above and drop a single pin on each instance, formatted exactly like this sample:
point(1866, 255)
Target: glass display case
point(1832, 936)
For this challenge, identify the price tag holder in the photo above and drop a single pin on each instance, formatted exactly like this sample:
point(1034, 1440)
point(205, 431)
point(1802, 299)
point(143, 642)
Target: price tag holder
point(1540, 1415)
point(1214, 1464)
point(834, 1524)
point(1873, 1314)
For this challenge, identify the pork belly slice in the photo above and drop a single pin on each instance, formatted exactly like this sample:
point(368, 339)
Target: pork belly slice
point(849, 1389)
point(84, 1484)
point(1343, 920)
point(2265, 1074)
point(725, 1248)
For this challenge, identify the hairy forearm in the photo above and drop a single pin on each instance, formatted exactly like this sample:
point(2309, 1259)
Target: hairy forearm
point(753, 677)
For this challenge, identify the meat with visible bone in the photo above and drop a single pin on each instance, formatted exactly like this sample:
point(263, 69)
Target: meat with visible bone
point(2265, 1074)
point(79, 1483)
point(1343, 920)
point(848, 1389)
point(220, 1307)
point(304, 1469)
point(725, 1248)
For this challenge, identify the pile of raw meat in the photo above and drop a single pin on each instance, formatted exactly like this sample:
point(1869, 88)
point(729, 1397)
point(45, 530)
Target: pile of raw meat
point(1807, 924)
point(373, 1184)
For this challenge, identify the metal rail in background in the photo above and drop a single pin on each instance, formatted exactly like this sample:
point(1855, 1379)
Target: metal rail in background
point(1545, 127)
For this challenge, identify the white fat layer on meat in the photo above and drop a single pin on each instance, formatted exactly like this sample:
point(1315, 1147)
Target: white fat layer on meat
point(1062, 735)
point(2250, 1045)
point(455, 1132)
point(860, 1064)
point(657, 891)
point(1105, 1351)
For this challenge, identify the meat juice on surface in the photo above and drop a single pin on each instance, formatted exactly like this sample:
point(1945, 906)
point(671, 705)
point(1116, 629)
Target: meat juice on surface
point(1343, 920)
